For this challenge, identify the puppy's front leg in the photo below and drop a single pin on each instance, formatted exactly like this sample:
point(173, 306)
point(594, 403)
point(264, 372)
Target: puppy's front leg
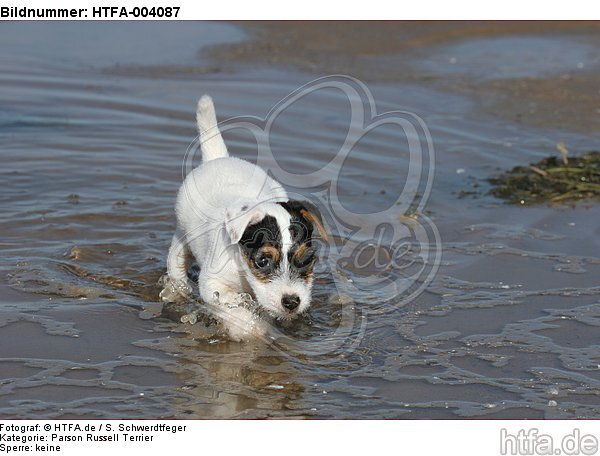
point(240, 323)
point(209, 284)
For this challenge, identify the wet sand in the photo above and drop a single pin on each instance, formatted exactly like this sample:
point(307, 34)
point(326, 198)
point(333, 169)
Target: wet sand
point(93, 144)
point(568, 97)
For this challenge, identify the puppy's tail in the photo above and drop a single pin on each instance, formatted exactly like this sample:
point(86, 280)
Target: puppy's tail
point(211, 141)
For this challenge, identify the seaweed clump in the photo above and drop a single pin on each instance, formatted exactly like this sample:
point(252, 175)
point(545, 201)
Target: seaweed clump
point(552, 180)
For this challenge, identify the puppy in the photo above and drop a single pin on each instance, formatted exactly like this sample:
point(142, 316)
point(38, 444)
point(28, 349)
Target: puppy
point(246, 235)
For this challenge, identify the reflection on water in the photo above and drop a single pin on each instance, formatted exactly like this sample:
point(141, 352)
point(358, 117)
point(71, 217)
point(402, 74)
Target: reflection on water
point(92, 157)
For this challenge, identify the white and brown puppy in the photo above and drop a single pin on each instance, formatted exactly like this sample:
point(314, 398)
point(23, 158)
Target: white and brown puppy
point(244, 232)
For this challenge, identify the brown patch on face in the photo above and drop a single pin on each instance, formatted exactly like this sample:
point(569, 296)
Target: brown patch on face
point(302, 261)
point(260, 276)
point(299, 253)
point(271, 251)
point(312, 218)
point(308, 276)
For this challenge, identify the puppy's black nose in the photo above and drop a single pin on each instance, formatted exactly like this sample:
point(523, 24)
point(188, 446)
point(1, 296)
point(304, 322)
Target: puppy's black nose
point(290, 302)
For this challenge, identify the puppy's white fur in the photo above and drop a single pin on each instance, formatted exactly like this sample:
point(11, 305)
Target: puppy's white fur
point(215, 204)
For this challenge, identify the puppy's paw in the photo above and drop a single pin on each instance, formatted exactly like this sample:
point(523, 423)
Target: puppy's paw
point(242, 325)
point(175, 290)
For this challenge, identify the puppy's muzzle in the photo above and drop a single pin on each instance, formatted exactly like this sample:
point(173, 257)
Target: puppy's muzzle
point(290, 302)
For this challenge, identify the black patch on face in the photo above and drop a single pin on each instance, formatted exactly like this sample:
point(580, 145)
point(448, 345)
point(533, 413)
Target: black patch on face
point(302, 256)
point(261, 248)
point(300, 228)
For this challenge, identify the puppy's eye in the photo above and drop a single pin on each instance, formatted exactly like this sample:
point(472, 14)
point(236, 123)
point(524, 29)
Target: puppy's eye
point(304, 260)
point(262, 262)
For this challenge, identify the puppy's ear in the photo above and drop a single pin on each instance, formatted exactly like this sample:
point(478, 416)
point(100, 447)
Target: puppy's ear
point(308, 211)
point(239, 217)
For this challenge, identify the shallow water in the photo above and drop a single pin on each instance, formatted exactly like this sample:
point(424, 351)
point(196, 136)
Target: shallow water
point(93, 140)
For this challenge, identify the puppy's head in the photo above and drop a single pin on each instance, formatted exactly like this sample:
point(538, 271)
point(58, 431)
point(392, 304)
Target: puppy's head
point(276, 245)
